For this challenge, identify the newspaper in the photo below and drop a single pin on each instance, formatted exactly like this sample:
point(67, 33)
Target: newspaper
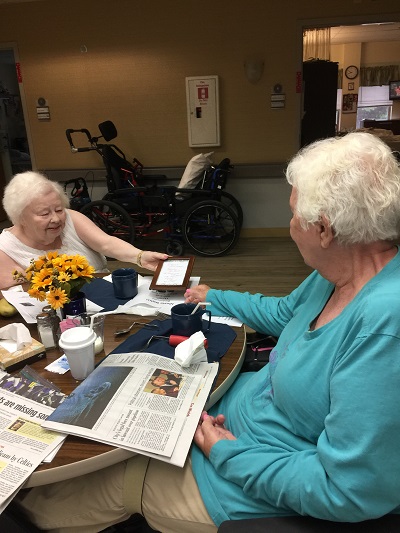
point(142, 402)
point(24, 443)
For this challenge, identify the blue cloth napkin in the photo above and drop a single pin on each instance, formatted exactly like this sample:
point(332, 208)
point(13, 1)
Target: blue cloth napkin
point(220, 337)
point(101, 292)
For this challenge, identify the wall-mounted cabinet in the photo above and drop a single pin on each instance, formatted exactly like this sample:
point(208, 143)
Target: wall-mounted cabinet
point(319, 96)
point(203, 111)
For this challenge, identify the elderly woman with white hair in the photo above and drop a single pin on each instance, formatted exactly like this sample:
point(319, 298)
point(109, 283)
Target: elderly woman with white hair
point(42, 222)
point(317, 431)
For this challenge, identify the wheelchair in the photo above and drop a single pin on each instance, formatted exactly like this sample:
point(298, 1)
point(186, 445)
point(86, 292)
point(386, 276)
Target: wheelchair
point(207, 219)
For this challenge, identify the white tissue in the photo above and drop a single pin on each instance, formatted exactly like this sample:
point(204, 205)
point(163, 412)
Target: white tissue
point(14, 337)
point(140, 310)
point(191, 351)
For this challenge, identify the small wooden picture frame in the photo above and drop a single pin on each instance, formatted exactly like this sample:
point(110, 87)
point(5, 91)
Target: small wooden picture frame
point(173, 274)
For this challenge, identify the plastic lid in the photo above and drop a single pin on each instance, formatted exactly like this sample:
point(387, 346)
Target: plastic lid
point(77, 337)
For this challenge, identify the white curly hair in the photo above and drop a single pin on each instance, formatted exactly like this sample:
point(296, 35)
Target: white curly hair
point(24, 188)
point(354, 181)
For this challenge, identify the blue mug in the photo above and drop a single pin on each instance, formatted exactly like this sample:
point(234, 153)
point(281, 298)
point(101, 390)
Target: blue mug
point(124, 282)
point(184, 323)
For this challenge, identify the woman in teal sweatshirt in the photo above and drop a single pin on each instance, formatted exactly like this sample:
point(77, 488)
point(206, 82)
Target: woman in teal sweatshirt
point(317, 431)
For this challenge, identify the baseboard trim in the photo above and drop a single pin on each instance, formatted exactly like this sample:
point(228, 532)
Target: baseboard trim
point(265, 232)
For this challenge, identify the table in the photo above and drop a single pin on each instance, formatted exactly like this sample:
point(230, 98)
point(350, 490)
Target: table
point(80, 456)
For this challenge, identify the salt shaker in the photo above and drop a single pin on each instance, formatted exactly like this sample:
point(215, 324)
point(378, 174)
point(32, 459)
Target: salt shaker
point(55, 321)
point(46, 330)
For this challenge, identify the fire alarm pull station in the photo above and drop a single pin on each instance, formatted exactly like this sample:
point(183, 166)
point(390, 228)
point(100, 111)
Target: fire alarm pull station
point(203, 111)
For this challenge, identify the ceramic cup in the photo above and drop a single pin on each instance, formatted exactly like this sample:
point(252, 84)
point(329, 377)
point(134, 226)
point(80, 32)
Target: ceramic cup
point(79, 345)
point(124, 282)
point(184, 323)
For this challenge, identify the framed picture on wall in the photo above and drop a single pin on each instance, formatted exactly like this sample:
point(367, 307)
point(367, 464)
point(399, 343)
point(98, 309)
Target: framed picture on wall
point(349, 104)
point(350, 86)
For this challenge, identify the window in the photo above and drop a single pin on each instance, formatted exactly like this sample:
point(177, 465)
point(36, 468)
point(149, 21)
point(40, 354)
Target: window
point(338, 108)
point(374, 104)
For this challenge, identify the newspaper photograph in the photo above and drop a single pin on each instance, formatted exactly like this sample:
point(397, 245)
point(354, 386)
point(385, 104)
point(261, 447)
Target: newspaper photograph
point(24, 443)
point(142, 402)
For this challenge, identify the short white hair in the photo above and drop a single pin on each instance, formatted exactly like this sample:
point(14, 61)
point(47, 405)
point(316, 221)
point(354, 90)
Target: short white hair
point(354, 181)
point(25, 188)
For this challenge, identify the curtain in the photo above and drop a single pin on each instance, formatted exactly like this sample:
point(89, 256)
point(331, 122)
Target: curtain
point(340, 78)
point(370, 76)
point(317, 44)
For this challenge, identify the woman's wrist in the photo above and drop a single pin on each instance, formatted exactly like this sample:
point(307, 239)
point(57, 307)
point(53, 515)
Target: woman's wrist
point(139, 258)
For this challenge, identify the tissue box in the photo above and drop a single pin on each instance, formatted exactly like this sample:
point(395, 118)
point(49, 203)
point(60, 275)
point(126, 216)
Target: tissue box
point(11, 361)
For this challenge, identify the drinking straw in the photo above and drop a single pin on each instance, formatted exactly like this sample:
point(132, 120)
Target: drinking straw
point(198, 305)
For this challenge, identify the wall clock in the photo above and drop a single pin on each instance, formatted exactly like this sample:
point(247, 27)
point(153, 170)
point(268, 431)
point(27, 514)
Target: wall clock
point(351, 72)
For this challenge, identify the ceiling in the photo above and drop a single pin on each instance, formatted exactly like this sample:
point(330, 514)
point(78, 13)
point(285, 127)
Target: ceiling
point(366, 33)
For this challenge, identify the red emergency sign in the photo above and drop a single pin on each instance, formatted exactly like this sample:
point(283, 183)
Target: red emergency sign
point(202, 93)
point(18, 69)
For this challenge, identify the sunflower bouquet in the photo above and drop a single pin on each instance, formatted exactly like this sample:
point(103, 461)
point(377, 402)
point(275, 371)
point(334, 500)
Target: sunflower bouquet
point(56, 278)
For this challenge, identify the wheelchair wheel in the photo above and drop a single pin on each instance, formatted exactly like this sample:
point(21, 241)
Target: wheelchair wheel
point(230, 201)
point(174, 247)
point(211, 228)
point(111, 218)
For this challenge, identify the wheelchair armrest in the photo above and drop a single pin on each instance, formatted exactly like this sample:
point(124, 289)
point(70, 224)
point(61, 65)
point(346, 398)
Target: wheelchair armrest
point(303, 524)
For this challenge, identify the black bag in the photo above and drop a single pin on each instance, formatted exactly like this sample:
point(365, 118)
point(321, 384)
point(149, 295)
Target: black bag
point(258, 348)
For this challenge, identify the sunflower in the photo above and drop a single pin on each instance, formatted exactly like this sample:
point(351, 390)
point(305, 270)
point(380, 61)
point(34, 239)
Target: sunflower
point(63, 277)
point(57, 298)
point(37, 293)
point(43, 278)
point(88, 270)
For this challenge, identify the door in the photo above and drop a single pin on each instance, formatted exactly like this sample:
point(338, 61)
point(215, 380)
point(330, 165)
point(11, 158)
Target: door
point(14, 147)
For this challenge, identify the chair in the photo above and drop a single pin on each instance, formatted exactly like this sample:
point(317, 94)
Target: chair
point(302, 524)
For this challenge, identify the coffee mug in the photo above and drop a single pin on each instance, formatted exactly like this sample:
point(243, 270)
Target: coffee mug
point(125, 282)
point(184, 323)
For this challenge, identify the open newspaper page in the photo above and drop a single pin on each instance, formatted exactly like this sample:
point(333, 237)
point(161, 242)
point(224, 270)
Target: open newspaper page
point(142, 402)
point(24, 443)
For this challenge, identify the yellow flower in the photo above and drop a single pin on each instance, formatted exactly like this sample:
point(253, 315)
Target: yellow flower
point(57, 298)
point(63, 277)
point(37, 293)
point(43, 278)
point(88, 271)
point(37, 265)
point(52, 255)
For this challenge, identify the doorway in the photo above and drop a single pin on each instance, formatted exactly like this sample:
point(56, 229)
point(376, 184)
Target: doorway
point(344, 31)
point(15, 154)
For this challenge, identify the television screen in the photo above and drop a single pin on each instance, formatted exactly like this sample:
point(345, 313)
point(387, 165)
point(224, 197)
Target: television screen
point(394, 90)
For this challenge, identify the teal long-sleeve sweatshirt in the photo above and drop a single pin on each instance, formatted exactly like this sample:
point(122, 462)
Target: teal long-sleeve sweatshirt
point(318, 428)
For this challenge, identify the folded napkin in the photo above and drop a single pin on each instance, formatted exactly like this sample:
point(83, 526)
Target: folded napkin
point(16, 336)
point(101, 292)
point(220, 337)
point(191, 351)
